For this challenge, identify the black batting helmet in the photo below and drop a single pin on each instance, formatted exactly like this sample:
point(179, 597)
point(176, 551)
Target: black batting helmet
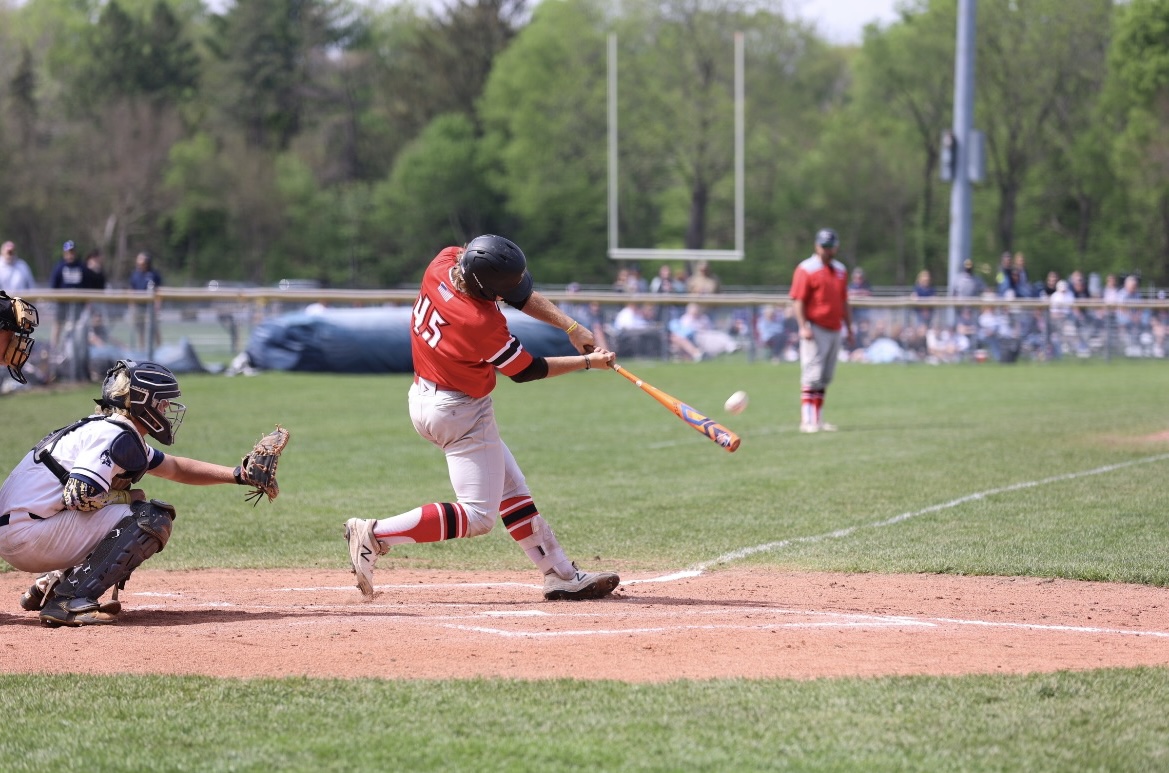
point(149, 398)
point(495, 267)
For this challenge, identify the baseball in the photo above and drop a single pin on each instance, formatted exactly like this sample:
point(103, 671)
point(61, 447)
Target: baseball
point(736, 402)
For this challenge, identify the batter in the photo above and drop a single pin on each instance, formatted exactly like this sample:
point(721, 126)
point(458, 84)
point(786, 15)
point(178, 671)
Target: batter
point(460, 339)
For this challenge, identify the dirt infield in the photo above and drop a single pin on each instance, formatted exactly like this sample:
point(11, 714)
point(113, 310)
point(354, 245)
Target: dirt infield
point(733, 623)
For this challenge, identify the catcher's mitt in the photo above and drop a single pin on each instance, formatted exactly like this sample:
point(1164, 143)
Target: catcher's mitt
point(258, 468)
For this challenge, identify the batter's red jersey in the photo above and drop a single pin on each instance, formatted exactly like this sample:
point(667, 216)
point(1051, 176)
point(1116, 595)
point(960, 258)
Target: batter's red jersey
point(459, 341)
point(824, 290)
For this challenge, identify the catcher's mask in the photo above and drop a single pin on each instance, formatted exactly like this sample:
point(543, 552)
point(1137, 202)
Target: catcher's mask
point(494, 267)
point(149, 399)
point(18, 318)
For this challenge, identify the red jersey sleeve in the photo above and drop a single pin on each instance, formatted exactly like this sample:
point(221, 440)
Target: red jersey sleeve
point(799, 289)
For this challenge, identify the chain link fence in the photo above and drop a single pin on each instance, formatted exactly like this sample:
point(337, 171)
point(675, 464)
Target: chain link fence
point(82, 333)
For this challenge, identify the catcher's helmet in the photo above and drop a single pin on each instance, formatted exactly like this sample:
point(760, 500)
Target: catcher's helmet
point(827, 239)
point(20, 317)
point(495, 267)
point(149, 399)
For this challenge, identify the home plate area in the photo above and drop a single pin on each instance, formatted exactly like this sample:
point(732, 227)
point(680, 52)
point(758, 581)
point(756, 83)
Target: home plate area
point(739, 622)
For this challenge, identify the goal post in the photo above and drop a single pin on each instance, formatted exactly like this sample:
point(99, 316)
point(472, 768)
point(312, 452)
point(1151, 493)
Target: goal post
point(617, 252)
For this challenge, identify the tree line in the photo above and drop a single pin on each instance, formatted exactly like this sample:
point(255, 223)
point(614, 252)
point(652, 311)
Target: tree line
point(348, 141)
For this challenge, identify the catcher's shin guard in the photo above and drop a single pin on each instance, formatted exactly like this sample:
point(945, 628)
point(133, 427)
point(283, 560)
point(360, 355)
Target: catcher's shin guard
point(134, 539)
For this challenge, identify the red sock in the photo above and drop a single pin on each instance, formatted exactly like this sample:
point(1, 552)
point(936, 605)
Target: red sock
point(517, 514)
point(808, 407)
point(429, 523)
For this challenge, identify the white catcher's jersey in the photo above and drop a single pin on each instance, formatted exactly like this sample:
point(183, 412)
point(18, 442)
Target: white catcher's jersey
point(33, 488)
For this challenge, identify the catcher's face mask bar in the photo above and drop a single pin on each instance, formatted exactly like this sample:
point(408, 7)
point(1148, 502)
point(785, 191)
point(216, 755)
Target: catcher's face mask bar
point(15, 353)
point(26, 315)
point(173, 413)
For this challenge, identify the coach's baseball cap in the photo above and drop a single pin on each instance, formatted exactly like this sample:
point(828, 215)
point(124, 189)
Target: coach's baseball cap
point(826, 238)
point(67, 246)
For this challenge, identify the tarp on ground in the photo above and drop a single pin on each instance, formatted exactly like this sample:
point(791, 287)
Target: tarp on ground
point(369, 340)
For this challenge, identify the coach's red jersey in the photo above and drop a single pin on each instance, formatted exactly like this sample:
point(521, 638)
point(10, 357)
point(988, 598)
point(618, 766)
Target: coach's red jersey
point(823, 287)
point(459, 341)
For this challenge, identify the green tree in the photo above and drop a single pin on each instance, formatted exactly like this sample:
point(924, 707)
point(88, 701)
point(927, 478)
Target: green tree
point(436, 196)
point(264, 53)
point(1031, 57)
point(543, 112)
point(903, 92)
point(1138, 93)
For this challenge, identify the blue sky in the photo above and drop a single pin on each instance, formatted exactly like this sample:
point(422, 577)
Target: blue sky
point(841, 21)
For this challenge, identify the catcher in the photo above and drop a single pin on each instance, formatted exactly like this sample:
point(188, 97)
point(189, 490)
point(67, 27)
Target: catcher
point(18, 318)
point(70, 510)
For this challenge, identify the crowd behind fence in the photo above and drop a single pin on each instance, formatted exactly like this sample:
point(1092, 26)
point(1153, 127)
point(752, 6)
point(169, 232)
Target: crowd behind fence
point(82, 333)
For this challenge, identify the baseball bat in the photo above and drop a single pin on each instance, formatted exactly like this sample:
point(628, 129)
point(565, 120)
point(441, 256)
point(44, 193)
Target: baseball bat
point(692, 418)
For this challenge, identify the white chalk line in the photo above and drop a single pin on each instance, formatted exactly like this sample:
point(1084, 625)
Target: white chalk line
point(741, 553)
point(700, 568)
point(819, 619)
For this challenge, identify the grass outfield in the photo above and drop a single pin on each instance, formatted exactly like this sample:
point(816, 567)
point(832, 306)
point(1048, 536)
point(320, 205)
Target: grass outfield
point(1040, 470)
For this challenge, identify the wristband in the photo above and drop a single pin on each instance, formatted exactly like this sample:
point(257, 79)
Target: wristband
point(238, 472)
point(573, 326)
point(587, 365)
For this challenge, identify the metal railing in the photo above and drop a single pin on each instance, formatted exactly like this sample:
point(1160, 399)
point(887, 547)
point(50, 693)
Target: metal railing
point(81, 331)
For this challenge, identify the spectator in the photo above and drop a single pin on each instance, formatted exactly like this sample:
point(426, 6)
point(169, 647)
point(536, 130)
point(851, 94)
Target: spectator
point(631, 317)
point(859, 286)
point(145, 278)
point(1078, 285)
point(15, 274)
point(634, 334)
point(663, 283)
point(923, 287)
point(704, 281)
point(944, 345)
point(685, 329)
point(968, 284)
point(1049, 284)
point(637, 283)
point(681, 279)
point(629, 280)
point(621, 283)
point(95, 275)
point(1006, 262)
point(592, 318)
point(1111, 292)
point(996, 332)
point(1023, 286)
point(1129, 320)
point(769, 331)
point(68, 274)
point(1061, 301)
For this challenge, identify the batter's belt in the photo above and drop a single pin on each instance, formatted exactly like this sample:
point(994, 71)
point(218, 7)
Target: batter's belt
point(426, 384)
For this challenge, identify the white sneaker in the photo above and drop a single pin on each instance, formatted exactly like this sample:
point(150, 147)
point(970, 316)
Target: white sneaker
point(809, 428)
point(826, 427)
point(583, 585)
point(364, 550)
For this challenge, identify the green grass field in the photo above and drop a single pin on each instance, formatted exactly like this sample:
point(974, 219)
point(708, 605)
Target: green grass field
point(1036, 470)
